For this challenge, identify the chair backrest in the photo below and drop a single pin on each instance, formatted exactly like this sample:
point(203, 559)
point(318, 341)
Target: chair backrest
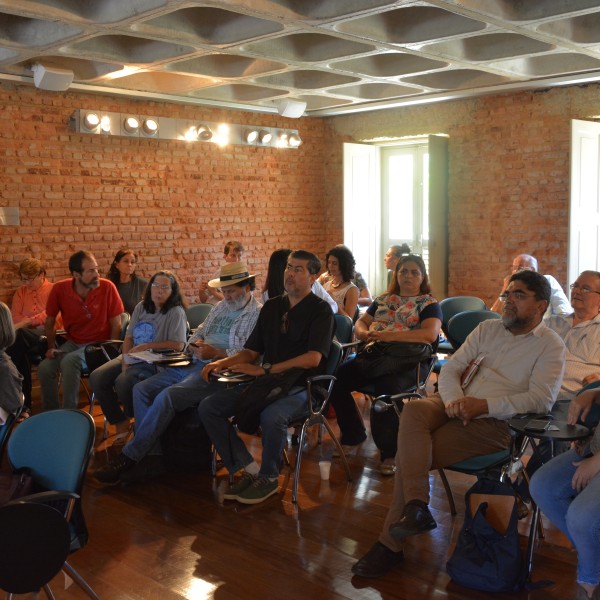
point(55, 446)
point(196, 313)
point(35, 545)
point(344, 328)
point(456, 304)
point(334, 358)
point(125, 318)
point(461, 325)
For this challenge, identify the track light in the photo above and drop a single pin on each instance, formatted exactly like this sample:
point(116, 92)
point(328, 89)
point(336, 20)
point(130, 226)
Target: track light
point(91, 121)
point(204, 133)
point(150, 126)
point(105, 124)
point(131, 124)
point(264, 136)
point(294, 140)
point(251, 136)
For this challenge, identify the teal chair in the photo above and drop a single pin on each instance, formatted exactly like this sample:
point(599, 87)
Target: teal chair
point(452, 306)
point(196, 313)
point(55, 448)
point(461, 324)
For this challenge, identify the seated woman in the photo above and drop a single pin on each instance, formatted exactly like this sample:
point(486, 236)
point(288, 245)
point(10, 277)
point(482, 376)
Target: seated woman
point(364, 293)
point(158, 321)
point(28, 310)
point(273, 285)
point(122, 274)
point(340, 266)
point(11, 396)
point(407, 312)
point(567, 491)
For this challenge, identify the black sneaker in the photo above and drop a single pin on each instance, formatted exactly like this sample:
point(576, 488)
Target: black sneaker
point(415, 519)
point(110, 473)
point(149, 467)
point(377, 562)
point(234, 489)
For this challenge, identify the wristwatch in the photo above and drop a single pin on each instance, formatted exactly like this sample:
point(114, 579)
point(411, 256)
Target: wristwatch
point(266, 367)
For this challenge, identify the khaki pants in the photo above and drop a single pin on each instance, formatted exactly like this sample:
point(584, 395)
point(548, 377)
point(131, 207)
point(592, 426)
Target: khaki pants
point(428, 439)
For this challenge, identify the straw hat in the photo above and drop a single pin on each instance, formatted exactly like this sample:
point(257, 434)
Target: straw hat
point(231, 273)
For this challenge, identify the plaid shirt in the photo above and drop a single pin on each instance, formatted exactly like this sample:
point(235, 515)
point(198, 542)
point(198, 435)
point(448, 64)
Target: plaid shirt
point(241, 329)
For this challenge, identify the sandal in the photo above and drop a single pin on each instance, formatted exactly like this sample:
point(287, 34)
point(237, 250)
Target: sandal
point(25, 414)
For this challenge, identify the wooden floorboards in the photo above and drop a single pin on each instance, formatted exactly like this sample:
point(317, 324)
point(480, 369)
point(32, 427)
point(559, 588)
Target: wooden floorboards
point(175, 538)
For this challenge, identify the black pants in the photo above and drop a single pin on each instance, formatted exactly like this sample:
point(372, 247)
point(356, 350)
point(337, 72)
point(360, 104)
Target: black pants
point(384, 426)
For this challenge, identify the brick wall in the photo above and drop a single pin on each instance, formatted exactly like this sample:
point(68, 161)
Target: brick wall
point(177, 204)
point(508, 176)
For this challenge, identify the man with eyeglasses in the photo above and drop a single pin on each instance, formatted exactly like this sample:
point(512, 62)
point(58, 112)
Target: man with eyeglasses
point(508, 366)
point(91, 312)
point(559, 303)
point(294, 331)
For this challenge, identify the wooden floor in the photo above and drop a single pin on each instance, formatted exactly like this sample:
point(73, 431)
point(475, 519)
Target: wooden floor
point(175, 538)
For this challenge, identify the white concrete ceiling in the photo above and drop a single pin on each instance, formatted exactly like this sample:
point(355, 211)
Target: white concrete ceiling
point(337, 56)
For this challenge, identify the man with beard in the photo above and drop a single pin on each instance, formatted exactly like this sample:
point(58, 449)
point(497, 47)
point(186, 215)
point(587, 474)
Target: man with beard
point(91, 312)
point(293, 334)
point(521, 364)
point(174, 389)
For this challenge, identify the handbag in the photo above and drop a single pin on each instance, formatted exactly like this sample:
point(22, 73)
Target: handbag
point(383, 358)
point(260, 393)
point(14, 486)
point(487, 556)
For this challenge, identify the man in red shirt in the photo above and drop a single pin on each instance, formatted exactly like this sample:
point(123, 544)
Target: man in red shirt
point(91, 312)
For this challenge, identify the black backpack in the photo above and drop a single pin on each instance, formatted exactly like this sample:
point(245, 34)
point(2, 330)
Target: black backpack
point(485, 558)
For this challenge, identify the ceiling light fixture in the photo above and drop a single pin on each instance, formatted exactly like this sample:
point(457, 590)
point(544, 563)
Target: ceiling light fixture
point(251, 136)
point(105, 124)
point(294, 140)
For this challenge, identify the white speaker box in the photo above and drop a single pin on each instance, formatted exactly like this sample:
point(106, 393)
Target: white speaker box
point(51, 78)
point(290, 108)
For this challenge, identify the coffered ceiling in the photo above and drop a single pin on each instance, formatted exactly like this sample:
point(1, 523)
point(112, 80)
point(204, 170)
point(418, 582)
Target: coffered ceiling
point(337, 56)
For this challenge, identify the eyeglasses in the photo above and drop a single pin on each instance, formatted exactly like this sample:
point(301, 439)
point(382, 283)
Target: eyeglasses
point(285, 323)
point(583, 290)
point(516, 295)
point(413, 272)
point(28, 279)
point(161, 286)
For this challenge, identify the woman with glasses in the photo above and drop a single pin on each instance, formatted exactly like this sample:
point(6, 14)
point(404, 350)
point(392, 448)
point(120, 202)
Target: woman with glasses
point(157, 322)
point(406, 312)
point(28, 311)
point(11, 397)
point(122, 274)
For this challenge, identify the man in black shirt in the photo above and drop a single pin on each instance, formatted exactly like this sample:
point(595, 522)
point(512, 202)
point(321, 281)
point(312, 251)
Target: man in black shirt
point(294, 331)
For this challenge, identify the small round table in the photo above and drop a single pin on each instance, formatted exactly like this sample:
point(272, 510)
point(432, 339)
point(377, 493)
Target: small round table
point(559, 431)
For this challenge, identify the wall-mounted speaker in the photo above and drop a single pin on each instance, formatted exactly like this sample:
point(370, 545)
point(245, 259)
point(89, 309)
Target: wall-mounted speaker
point(51, 78)
point(290, 108)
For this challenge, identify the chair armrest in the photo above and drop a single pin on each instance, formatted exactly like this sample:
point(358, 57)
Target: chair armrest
point(316, 406)
point(55, 499)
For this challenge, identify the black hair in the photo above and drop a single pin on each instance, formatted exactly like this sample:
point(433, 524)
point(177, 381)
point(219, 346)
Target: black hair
point(534, 282)
point(76, 261)
point(113, 273)
point(425, 288)
point(345, 260)
point(275, 272)
point(314, 264)
point(398, 251)
point(175, 299)
point(251, 281)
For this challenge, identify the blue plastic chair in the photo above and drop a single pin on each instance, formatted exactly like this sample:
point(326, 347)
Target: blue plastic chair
point(452, 306)
point(55, 447)
point(461, 324)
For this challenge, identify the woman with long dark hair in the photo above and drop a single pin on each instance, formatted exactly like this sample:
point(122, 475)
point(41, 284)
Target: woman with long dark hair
point(158, 321)
point(122, 274)
point(340, 266)
point(406, 312)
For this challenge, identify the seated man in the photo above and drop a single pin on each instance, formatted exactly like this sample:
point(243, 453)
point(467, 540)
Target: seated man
point(521, 367)
point(157, 399)
point(559, 304)
point(294, 330)
point(91, 312)
point(581, 334)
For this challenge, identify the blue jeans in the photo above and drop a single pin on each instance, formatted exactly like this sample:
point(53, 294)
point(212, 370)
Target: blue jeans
point(70, 364)
point(577, 515)
point(215, 412)
point(155, 405)
point(113, 387)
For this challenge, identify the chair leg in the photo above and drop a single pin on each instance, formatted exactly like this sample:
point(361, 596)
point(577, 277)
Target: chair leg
point(339, 447)
point(448, 489)
point(48, 593)
point(298, 462)
point(79, 580)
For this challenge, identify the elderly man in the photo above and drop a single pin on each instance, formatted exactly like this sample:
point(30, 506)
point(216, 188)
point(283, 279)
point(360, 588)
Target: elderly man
point(559, 304)
point(293, 334)
point(174, 389)
point(521, 364)
point(581, 334)
point(91, 312)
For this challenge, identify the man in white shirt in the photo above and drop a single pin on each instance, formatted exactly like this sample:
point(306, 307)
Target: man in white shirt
point(521, 367)
point(559, 303)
